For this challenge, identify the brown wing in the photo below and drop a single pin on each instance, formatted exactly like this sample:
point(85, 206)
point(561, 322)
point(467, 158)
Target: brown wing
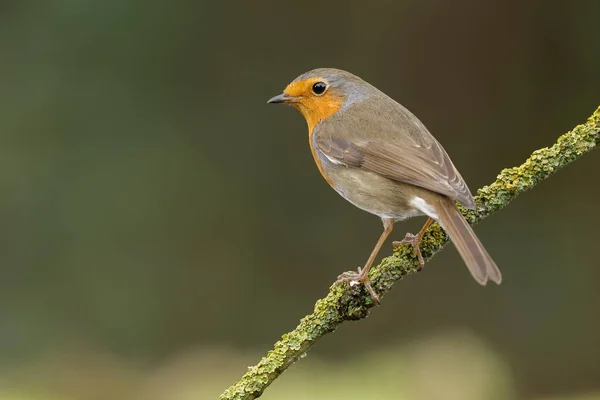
point(400, 149)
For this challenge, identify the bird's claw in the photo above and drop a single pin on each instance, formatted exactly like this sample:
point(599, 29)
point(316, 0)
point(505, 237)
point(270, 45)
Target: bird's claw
point(414, 241)
point(354, 279)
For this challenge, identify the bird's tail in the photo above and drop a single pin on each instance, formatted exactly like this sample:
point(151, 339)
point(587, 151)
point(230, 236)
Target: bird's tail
point(473, 253)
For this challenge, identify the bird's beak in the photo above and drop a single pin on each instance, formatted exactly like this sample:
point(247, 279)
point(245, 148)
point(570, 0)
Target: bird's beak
point(282, 98)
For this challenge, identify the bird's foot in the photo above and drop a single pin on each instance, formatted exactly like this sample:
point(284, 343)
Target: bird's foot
point(414, 241)
point(354, 279)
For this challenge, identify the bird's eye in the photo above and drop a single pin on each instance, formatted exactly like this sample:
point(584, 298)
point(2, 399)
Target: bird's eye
point(319, 88)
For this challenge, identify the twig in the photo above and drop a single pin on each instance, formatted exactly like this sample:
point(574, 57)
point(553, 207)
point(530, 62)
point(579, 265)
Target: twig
point(345, 304)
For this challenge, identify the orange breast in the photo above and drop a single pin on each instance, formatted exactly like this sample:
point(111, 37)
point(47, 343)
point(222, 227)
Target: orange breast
point(316, 157)
point(315, 109)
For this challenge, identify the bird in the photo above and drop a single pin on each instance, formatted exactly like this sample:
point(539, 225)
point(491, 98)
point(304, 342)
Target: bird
point(381, 158)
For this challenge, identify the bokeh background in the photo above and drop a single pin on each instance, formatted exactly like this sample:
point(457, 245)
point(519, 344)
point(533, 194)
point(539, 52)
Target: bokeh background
point(161, 226)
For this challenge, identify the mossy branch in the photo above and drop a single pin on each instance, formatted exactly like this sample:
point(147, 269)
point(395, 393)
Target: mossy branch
point(345, 304)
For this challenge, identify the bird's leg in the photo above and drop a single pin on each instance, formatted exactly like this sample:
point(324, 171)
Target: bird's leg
point(363, 274)
point(415, 241)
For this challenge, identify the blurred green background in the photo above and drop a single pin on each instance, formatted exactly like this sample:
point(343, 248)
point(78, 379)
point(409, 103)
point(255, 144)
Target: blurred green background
point(161, 226)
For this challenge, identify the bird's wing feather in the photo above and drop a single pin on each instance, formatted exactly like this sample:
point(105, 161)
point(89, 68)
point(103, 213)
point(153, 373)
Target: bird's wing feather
point(399, 148)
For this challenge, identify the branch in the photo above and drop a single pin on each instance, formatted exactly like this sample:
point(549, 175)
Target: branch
point(345, 303)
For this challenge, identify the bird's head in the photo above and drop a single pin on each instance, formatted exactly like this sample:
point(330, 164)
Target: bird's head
point(320, 93)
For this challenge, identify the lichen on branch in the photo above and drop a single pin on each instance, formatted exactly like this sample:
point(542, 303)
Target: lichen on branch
point(345, 303)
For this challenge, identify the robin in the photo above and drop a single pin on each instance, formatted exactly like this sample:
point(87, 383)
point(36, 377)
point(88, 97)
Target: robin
point(377, 155)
